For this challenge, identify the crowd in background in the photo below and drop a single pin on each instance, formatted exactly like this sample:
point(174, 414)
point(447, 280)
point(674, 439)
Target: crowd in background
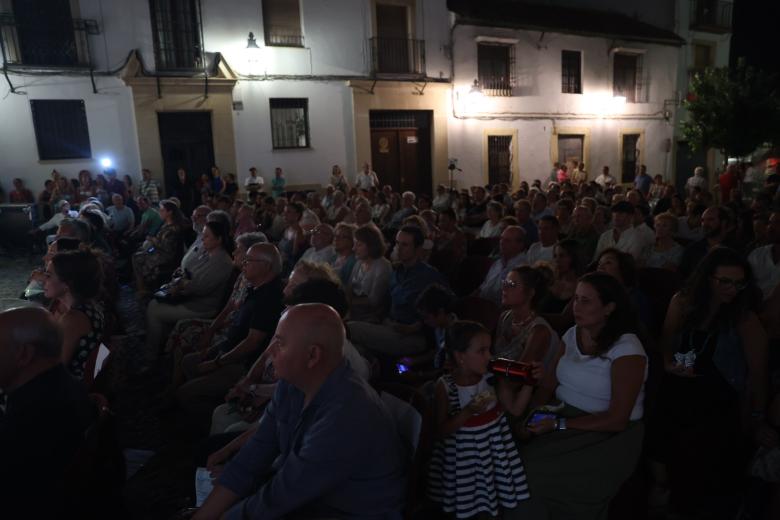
point(648, 317)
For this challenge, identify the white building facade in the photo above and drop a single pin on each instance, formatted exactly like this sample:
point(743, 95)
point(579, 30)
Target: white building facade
point(161, 84)
point(548, 83)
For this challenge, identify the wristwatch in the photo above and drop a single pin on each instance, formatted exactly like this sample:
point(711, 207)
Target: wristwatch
point(560, 423)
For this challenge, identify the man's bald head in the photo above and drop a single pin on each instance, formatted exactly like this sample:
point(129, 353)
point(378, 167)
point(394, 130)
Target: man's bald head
point(319, 324)
point(30, 344)
point(31, 326)
point(308, 345)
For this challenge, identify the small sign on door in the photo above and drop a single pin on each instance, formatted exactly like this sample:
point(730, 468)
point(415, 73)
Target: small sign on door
point(411, 139)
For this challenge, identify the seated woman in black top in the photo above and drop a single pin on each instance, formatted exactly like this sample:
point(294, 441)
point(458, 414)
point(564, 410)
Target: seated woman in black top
point(715, 355)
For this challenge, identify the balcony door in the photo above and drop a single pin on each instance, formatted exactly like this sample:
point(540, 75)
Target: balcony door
point(392, 30)
point(45, 30)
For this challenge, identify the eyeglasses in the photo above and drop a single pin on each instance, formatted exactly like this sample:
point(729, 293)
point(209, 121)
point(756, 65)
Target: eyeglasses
point(247, 260)
point(739, 285)
point(509, 284)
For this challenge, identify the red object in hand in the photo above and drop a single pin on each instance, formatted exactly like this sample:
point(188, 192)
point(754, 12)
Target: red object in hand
point(514, 370)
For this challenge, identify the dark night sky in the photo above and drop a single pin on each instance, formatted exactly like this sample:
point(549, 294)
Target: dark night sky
point(756, 35)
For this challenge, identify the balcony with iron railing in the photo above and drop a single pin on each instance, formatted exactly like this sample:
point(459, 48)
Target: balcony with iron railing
point(711, 16)
point(401, 56)
point(24, 47)
point(495, 86)
point(281, 36)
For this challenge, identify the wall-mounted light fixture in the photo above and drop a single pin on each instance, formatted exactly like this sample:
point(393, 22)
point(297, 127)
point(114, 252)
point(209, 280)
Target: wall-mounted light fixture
point(475, 88)
point(251, 43)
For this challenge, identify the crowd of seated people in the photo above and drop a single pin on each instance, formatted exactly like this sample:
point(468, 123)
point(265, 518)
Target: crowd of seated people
point(648, 318)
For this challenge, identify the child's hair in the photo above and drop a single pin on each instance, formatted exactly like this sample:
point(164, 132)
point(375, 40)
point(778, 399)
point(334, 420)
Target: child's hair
point(460, 333)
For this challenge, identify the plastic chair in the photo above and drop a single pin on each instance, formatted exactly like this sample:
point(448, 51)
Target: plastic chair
point(418, 469)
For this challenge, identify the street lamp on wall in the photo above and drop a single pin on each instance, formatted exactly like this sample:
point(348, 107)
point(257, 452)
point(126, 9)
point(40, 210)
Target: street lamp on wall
point(251, 43)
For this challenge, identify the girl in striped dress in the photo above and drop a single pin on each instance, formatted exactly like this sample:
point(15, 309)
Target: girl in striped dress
point(476, 468)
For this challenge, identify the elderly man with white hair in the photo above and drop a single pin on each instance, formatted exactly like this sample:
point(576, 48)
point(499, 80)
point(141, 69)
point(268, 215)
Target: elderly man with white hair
point(46, 415)
point(696, 181)
point(407, 208)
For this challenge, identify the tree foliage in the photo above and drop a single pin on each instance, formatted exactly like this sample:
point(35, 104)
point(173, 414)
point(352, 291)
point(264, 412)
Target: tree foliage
point(735, 111)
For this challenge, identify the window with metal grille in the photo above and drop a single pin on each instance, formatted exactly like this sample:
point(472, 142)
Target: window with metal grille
point(495, 64)
point(571, 72)
point(628, 78)
point(499, 159)
point(61, 129)
point(282, 23)
point(289, 123)
point(176, 34)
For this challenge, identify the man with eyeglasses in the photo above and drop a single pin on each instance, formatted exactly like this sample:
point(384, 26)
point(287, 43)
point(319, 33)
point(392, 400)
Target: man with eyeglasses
point(212, 373)
point(512, 247)
point(321, 250)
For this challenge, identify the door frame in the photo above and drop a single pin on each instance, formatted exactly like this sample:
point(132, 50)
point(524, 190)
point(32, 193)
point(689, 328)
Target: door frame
point(515, 166)
point(191, 175)
point(640, 147)
point(573, 131)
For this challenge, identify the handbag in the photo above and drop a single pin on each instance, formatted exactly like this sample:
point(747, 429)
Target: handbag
point(171, 293)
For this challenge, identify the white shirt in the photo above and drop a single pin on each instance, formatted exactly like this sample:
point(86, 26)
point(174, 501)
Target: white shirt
point(254, 181)
point(605, 180)
point(491, 287)
point(489, 230)
point(54, 222)
point(586, 381)
point(629, 242)
point(326, 255)
point(694, 182)
point(766, 271)
point(646, 236)
point(365, 181)
point(537, 252)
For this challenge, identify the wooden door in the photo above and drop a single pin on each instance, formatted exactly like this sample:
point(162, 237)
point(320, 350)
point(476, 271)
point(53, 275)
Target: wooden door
point(186, 142)
point(408, 153)
point(384, 156)
point(630, 157)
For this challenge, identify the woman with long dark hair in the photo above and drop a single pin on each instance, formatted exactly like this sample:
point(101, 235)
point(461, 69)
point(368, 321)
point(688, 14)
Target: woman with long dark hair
point(73, 282)
point(715, 355)
point(578, 459)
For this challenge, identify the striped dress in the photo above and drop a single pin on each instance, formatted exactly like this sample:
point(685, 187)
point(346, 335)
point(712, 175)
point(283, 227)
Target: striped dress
point(478, 468)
